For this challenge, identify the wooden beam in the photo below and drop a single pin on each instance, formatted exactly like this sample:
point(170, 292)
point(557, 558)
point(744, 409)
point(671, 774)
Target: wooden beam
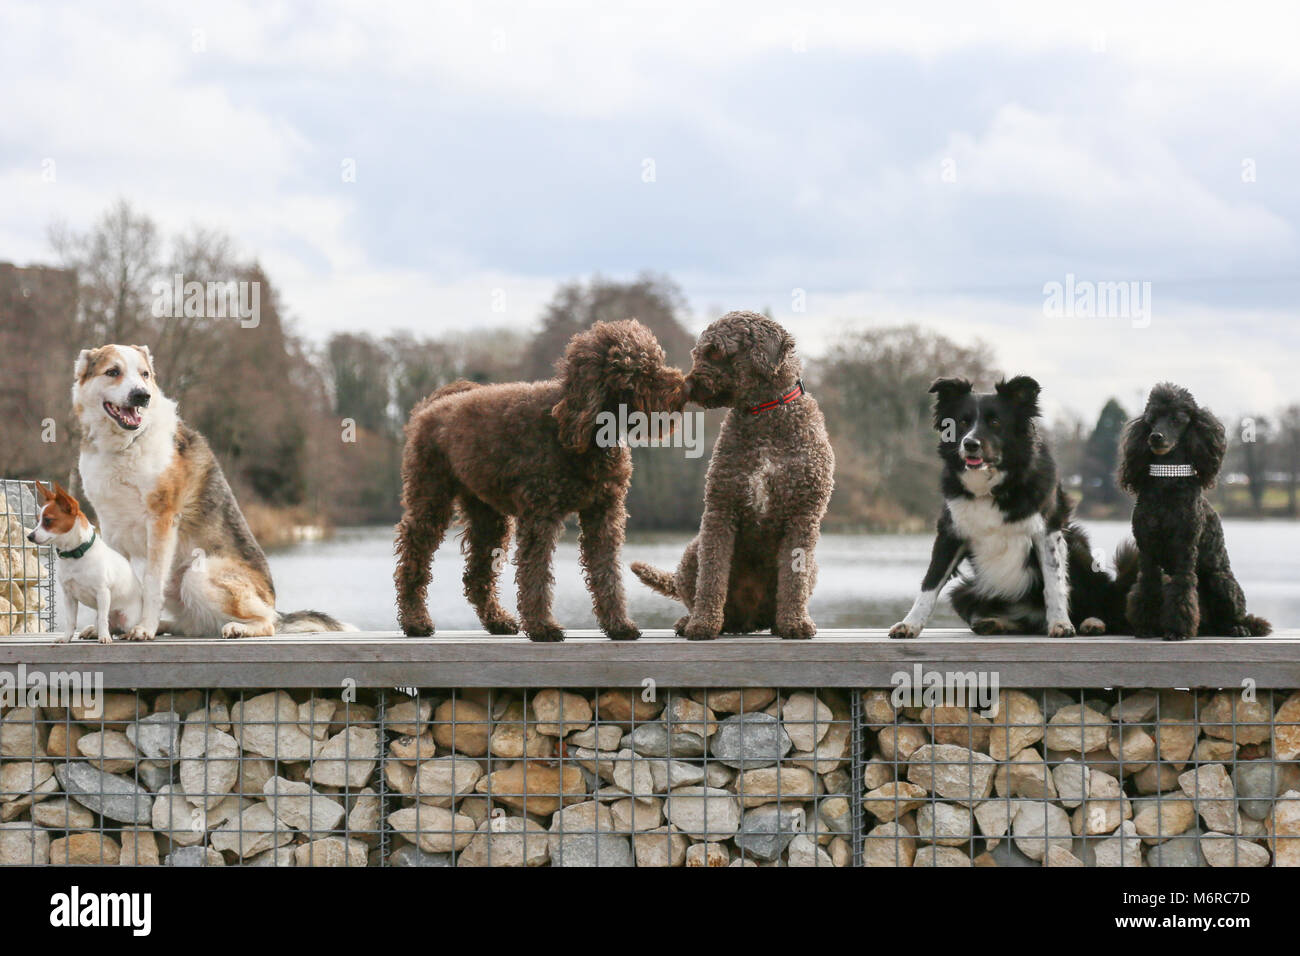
point(835, 658)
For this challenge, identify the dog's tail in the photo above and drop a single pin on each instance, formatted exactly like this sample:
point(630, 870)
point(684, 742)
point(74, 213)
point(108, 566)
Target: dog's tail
point(655, 579)
point(1127, 560)
point(1126, 566)
point(308, 622)
point(1258, 626)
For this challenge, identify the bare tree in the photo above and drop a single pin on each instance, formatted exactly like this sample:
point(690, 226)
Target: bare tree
point(116, 264)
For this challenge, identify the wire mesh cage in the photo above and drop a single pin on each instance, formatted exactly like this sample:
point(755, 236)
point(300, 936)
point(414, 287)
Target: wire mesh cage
point(26, 569)
point(639, 777)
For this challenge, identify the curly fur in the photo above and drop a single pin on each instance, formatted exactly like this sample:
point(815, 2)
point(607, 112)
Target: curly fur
point(1185, 586)
point(752, 567)
point(522, 456)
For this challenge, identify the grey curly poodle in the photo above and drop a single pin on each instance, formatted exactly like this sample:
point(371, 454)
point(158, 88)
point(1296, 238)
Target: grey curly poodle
point(752, 566)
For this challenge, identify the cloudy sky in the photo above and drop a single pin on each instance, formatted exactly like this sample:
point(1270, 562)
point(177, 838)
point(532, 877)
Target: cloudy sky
point(936, 163)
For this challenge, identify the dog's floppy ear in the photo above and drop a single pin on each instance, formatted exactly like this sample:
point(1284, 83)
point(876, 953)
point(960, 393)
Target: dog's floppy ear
point(949, 388)
point(774, 345)
point(946, 390)
point(583, 374)
point(1207, 443)
point(148, 357)
point(85, 362)
point(1022, 390)
point(1134, 454)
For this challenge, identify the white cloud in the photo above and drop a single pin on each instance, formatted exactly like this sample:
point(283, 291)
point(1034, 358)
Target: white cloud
point(799, 146)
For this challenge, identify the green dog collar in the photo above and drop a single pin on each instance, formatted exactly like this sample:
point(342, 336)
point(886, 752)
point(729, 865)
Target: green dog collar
point(78, 551)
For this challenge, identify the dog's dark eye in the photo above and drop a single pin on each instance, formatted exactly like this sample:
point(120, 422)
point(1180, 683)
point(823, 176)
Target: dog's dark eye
point(144, 374)
point(113, 373)
point(994, 423)
point(46, 522)
point(713, 353)
point(964, 423)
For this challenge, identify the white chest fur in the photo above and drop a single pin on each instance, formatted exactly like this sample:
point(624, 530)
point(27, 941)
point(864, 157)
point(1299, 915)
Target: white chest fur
point(118, 483)
point(1000, 550)
point(760, 494)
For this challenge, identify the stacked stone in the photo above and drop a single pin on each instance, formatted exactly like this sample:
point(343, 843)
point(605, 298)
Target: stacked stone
point(24, 576)
point(730, 777)
point(1142, 778)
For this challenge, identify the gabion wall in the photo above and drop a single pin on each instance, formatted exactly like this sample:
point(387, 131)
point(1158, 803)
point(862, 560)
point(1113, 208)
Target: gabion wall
point(721, 777)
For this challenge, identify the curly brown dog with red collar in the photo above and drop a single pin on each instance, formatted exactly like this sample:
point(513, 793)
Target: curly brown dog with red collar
point(752, 565)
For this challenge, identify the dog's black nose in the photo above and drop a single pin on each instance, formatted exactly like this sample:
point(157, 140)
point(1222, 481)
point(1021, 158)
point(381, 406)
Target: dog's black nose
point(31, 536)
point(1157, 438)
point(139, 397)
point(970, 445)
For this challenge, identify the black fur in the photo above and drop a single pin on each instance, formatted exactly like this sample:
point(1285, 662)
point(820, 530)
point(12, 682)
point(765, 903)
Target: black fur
point(1185, 586)
point(994, 437)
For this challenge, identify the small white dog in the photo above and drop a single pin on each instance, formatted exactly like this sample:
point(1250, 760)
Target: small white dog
point(89, 571)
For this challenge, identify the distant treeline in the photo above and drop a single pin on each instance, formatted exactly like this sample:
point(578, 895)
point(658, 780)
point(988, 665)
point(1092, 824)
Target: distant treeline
point(312, 433)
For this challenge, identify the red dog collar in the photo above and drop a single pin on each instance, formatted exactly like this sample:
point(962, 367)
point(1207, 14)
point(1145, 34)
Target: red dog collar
point(785, 399)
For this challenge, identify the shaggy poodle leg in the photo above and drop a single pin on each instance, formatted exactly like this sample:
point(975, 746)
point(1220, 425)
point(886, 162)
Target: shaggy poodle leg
point(688, 572)
point(1145, 600)
point(717, 544)
point(602, 533)
point(486, 539)
point(429, 502)
point(537, 538)
point(795, 569)
point(1223, 604)
point(1180, 615)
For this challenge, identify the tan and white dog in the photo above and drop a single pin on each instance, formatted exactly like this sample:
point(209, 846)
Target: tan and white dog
point(90, 573)
point(162, 500)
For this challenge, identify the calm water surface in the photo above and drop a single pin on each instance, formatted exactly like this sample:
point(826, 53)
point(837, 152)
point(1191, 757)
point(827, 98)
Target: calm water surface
point(863, 580)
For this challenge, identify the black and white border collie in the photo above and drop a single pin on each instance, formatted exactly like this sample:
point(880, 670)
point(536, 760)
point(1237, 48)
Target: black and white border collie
point(1031, 568)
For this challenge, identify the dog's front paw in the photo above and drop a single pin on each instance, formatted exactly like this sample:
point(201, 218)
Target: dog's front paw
point(679, 628)
point(86, 633)
point(1174, 636)
point(904, 631)
point(799, 630)
point(548, 633)
point(139, 633)
point(106, 638)
point(627, 631)
point(1239, 630)
point(1061, 629)
point(701, 630)
point(65, 638)
point(499, 625)
point(1092, 625)
point(420, 627)
point(233, 630)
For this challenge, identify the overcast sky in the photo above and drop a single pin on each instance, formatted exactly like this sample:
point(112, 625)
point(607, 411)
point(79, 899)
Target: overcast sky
point(936, 163)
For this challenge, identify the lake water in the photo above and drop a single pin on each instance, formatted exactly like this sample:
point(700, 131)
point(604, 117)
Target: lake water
point(863, 580)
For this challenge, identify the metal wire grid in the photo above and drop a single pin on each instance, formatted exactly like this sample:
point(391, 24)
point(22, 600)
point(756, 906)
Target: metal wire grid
point(1095, 778)
point(441, 778)
point(26, 569)
point(592, 777)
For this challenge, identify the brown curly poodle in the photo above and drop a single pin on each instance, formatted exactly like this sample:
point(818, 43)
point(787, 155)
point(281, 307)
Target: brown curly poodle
point(527, 454)
point(1185, 586)
point(752, 565)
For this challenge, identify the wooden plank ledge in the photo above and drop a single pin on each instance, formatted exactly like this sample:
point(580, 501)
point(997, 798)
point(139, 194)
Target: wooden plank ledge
point(835, 658)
